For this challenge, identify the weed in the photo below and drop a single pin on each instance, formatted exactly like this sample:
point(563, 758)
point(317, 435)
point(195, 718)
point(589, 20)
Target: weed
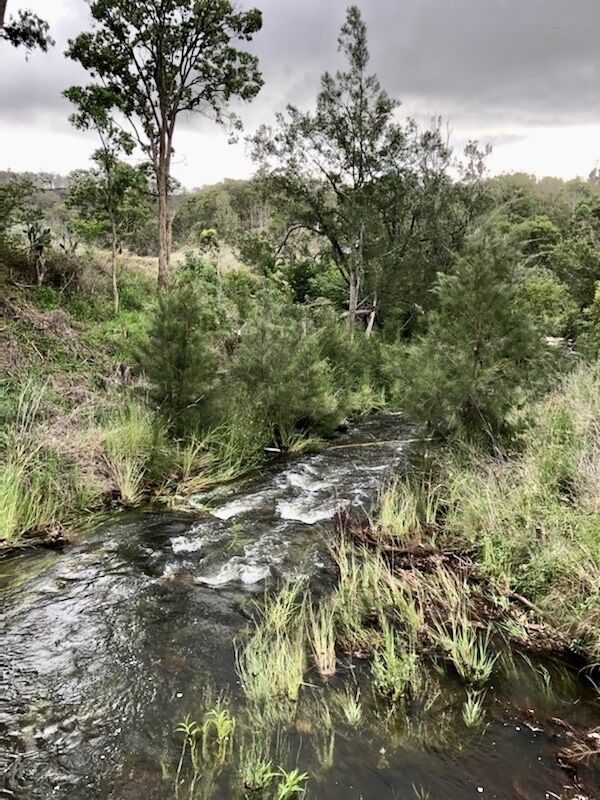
point(322, 639)
point(352, 707)
point(469, 653)
point(291, 784)
point(472, 710)
point(394, 671)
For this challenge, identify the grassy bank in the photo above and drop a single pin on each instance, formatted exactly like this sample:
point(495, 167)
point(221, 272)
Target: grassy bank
point(76, 431)
point(453, 570)
point(163, 399)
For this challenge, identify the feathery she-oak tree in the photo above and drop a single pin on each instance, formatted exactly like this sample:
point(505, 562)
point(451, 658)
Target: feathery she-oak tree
point(329, 163)
point(159, 59)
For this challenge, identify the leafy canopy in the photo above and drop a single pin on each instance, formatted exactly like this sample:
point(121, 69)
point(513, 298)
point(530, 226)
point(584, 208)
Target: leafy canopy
point(156, 59)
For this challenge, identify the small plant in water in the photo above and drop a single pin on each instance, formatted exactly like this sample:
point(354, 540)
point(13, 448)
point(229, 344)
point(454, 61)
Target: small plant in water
point(291, 784)
point(393, 670)
point(472, 710)
point(192, 733)
point(470, 653)
point(258, 775)
point(322, 639)
point(352, 707)
point(217, 733)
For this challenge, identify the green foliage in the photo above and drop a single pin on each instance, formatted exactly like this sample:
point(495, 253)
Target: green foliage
point(547, 302)
point(277, 365)
point(536, 238)
point(481, 353)
point(240, 287)
point(180, 357)
point(577, 265)
point(113, 193)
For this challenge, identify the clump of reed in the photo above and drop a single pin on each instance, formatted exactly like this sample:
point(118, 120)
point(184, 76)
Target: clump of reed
point(351, 706)
point(472, 710)
point(321, 628)
point(131, 438)
point(271, 663)
point(38, 490)
point(408, 512)
point(395, 669)
point(468, 651)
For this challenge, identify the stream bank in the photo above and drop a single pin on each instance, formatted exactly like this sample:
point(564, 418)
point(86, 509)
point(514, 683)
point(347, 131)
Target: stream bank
point(109, 645)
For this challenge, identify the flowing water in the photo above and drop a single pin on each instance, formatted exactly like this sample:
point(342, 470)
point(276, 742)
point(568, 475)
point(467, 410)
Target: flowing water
point(106, 646)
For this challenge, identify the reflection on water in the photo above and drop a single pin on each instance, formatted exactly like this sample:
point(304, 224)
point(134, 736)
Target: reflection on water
point(107, 646)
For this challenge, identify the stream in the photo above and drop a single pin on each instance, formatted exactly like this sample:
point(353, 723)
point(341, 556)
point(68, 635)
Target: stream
point(107, 645)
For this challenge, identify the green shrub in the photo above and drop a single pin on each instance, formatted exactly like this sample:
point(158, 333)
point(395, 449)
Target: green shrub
point(481, 354)
point(180, 356)
point(278, 367)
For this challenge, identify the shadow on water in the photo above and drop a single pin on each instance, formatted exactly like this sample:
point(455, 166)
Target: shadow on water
point(108, 645)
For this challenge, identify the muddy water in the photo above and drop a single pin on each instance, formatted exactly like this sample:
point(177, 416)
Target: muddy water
point(108, 645)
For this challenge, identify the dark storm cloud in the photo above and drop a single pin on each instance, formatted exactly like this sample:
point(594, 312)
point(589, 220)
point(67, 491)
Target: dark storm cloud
point(531, 61)
point(479, 62)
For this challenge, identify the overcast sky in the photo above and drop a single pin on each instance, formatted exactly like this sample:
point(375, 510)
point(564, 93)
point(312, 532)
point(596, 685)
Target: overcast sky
point(523, 75)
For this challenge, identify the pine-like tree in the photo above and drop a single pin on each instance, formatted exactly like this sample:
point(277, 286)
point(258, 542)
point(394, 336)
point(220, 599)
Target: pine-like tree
point(481, 353)
point(180, 357)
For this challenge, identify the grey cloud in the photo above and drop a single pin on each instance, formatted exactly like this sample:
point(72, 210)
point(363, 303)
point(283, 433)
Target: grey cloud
point(480, 63)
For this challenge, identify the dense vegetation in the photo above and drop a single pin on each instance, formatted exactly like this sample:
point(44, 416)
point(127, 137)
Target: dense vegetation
point(157, 341)
point(355, 271)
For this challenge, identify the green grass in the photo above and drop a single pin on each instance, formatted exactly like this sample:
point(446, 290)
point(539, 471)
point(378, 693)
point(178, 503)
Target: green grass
point(271, 663)
point(321, 626)
point(407, 512)
point(532, 520)
point(395, 669)
point(38, 492)
point(131, 437)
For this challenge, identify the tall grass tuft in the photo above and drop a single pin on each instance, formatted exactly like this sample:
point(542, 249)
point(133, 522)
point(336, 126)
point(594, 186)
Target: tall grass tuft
point(407, 511)
point(472, 710)
point(37, 490)
point(130, 441)
point(394, 670)
point(322, 639)
point(469, 652)
point(272, 662)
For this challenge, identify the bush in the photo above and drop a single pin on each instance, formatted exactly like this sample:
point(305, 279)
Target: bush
point(278, 366)
point(180, 357)
point(548, 303)
point(481, 354)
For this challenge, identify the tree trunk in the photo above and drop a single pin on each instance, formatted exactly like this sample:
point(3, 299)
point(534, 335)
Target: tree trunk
point(163, 234)
point(2, 12)
point(353, 300)
point(356, 273)
point(163, 169)
point(372, 317)
point(113, 264)
point(40, 269)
